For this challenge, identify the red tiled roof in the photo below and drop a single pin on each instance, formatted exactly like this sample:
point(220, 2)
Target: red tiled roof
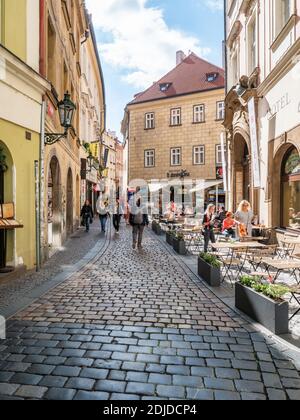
point(188, 77)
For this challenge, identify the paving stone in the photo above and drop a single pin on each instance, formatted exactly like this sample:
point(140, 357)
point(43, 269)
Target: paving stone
point(227, 373)
point(60, 394)
point(156, 378)
point(80, 383)
point(188, 381)
point(66, 371)
point(245, 365)
point(53, 381)
point(94, 373)
point(172, 360)
point(248, 396)
point(267, 367)
point(148, 358)
point(219, 384)
point(8, 389)
point(140, 388)
point(129, 357)
point(250, 375)
point(227, 396)
point(79, 361)
point(276, 395)
point(199, 394)
point(195, 361)
point(72, 353)
point(41, 369)
point(249, 386)
point(116, 375)
point(125, 397)
point(55, 360)
point(291, 383)
point(170, 391)
point(272, 380)
point(135, 366)
point(222, 363)
point(136, 377)
point(96, 355)
point(29, 391)
point(5, 376)
point(26, 379)
point(110, 386)
point(91, 396)
point(293, 394)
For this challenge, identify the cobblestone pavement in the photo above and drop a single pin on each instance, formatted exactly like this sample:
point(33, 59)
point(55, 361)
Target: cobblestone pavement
point(132, 326)
point(15, 290)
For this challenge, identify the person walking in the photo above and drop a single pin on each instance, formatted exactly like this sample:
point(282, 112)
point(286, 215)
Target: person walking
point(87, 215)
point(208, 226)
point(244, 218)
point(117, 214)
point(138, 219)
point(103, 210)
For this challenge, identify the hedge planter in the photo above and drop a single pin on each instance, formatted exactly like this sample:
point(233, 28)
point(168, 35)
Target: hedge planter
point(211, 275)
point(169, 238)
point(179, 246)
point(157, 228)
point(271, 314)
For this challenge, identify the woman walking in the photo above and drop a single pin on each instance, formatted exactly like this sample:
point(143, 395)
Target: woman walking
point(244, 218)
point(87, 215)
point(208, 226)
point(138, 219)
point(103, 210)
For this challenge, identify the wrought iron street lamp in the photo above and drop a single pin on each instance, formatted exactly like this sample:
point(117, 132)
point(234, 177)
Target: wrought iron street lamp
point(66, 110)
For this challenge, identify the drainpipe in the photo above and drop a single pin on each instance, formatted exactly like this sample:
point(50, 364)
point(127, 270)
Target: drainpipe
point(42, 182)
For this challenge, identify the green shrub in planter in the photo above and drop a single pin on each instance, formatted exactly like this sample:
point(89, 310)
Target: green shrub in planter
point(209, 269)
point(179, 244)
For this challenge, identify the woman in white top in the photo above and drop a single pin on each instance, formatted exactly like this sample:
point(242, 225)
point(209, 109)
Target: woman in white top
point(244, 217)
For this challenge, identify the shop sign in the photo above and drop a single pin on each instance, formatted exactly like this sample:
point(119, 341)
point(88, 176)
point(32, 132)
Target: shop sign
point(254, 144)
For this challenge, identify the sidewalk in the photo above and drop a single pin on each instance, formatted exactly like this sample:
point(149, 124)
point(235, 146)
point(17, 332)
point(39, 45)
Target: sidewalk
point(77, 251)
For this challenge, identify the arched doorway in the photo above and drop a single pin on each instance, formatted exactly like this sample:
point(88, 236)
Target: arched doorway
point(6, 196)
point(290, 189)
point(242, 171)
point(70, 205)
point(54, 204)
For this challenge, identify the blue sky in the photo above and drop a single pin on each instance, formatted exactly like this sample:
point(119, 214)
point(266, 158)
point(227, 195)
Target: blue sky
point(138, 40)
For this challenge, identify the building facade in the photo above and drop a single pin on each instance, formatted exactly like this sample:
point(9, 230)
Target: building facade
point(69, 60)
point(263, 108)
point(92, 116)
point(109, 158)
point(173, 128)
point(120, 168)
point(21, 91)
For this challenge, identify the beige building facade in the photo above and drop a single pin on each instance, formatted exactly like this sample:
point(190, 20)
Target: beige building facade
point(109, 160)
point(263, 108)
point(178, 135)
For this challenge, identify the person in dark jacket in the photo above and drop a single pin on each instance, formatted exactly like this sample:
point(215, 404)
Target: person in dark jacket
point(138, 219)
point(208, 226)
point(87, 215)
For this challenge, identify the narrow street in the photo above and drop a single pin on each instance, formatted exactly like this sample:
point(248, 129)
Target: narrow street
point(135, 325)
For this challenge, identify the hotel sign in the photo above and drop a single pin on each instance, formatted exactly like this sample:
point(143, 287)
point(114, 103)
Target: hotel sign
point(254, 144)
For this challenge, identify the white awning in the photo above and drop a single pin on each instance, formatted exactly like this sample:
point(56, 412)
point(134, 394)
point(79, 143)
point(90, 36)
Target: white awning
point(205, 185)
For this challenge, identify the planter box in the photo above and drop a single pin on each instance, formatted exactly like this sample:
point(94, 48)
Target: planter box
point(169, 238)
point(272, 315)
point(179, 246)
point(157, 228)
point(211, 275)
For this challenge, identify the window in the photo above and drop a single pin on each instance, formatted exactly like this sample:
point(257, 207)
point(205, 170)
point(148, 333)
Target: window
point(150, 121)
point(176, 116)
point(283, 12)
point(163, 87)
point(199, 113)
point(219, 160)
point(199, 155)
point(211, 77)
point(176, 156)
point(149, 158)
point(290, 189)
point(220, 110)
point(252, 46)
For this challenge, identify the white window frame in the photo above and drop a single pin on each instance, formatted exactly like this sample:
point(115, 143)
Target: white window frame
point(149, 158)
point(176, 156)
point(220, 110)
point(199, 155)
point(149, 120)
point(219, 161)
point(175, 117)
point(282, 13)
point(199, 114)
point(252, 43)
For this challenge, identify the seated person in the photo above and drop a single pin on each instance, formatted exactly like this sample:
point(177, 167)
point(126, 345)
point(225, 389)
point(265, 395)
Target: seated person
point(228, 225)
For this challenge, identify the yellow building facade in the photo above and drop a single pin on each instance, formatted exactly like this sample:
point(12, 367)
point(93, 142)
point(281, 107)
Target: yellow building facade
point(21, 93)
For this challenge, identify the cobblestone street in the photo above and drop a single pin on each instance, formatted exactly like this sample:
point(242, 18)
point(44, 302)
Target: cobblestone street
point(134, 325)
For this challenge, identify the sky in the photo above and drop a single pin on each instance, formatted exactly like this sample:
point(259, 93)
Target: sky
point(138, 40)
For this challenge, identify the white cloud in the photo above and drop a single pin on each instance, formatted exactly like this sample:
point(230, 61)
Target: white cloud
point(216, 5)
point(142, 45)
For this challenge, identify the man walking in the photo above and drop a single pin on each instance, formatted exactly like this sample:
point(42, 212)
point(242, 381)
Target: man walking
point(103, 210)
point(138, 219)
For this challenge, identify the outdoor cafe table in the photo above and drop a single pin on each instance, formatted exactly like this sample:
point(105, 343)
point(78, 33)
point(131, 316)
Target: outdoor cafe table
point(290, 245)
point(280, 266)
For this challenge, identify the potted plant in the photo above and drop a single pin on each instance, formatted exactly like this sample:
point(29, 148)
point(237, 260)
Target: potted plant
point(156, 227)
point(170, 237)
point(179, 244)
point(263, 302)
point(209, 269)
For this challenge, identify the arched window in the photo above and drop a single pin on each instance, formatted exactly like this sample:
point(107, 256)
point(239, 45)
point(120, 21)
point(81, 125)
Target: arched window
point(290, 184)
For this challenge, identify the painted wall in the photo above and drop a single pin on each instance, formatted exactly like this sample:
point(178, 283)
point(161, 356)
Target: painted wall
point(23, 153)
point(14, 15)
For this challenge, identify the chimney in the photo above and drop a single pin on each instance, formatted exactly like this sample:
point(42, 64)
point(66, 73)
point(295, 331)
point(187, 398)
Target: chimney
point(180, 56)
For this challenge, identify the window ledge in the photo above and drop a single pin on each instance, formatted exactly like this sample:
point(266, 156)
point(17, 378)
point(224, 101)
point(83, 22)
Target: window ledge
point(175, 125)
point(149, 129)
point(283, 33)
point(199, 122)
